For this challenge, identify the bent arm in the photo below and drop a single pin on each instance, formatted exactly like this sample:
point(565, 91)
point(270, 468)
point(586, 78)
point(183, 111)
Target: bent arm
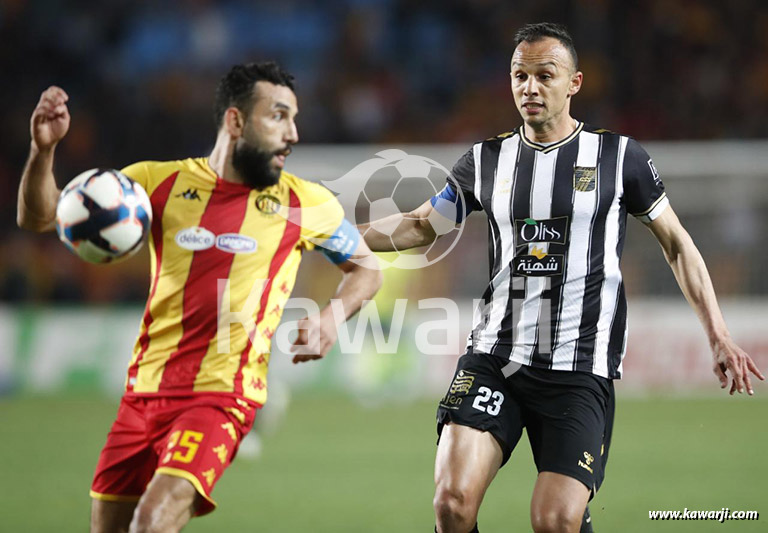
point(693, 278)
point(361, 280)
point(411, 230)
point(38, 194)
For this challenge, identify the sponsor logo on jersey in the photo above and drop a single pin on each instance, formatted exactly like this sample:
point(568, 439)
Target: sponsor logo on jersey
point(584, 178)
point(235, 243)
point(530, 230)
point(268, 204)
point(537, 265)
point(195, 238)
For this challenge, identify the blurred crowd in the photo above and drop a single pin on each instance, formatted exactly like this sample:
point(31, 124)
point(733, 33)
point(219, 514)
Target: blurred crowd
point(141, 76)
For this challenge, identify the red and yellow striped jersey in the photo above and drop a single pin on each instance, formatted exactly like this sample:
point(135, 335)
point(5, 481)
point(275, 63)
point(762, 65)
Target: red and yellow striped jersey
point(224, 259)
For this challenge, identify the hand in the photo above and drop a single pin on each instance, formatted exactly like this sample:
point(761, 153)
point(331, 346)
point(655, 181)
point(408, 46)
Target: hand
point(50, 119)
point(730, 358)
point(317, 334)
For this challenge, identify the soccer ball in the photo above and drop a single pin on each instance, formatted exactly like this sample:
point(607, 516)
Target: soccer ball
point(103, 216)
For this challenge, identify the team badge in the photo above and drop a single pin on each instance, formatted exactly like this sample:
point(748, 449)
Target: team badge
point(459, 388)
point(462, 382)
point(584, 178)
point(268, 204)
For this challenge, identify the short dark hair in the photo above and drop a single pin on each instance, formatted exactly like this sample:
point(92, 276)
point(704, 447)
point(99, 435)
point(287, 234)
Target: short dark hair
point(535, 32)
point(236, 88)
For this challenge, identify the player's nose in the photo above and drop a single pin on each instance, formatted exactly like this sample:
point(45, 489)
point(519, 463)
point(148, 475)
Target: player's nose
point(292, 133)
point(530, 87)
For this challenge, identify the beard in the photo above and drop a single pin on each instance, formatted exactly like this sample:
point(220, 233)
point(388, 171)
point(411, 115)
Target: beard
point(254, 166)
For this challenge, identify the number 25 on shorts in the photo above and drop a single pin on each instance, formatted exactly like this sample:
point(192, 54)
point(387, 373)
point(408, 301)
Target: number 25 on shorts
point(481, 402)
point(189, 442)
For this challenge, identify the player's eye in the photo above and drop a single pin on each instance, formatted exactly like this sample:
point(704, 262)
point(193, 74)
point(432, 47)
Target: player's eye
point(520, 76)
point(546, 77)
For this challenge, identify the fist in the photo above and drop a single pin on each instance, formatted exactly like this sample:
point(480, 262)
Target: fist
point(50, 119)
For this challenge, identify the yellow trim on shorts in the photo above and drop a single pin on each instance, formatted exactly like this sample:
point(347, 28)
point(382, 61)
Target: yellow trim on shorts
point(177, 472)
point(114, 497)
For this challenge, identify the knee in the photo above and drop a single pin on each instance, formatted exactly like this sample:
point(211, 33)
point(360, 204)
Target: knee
point(148, 518)
point(551, 519)
point(455, 508)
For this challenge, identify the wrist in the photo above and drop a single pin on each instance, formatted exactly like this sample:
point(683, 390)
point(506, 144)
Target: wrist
point(718, 339)
point(37, 150)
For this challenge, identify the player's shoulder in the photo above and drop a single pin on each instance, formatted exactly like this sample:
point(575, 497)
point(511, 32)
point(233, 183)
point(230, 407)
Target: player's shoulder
point(501, 137)
point(605, 132)
point(307, 191)
point(192, 165)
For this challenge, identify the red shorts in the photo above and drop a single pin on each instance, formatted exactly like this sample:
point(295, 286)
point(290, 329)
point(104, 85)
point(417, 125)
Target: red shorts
point(193, 437)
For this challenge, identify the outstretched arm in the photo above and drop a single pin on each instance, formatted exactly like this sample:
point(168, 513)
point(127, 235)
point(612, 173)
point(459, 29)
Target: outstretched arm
point(317, 333)
point(411, 230)
point(38, 194)
point(692, 276)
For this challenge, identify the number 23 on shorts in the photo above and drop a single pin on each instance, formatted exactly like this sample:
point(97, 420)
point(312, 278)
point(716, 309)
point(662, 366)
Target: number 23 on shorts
point(488, 401)
point(188, 441)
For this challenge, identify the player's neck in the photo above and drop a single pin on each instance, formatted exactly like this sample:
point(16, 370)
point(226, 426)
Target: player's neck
point(551, 133)
point(220, 159)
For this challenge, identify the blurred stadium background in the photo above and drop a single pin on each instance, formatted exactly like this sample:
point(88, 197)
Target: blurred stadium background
point(350, 445)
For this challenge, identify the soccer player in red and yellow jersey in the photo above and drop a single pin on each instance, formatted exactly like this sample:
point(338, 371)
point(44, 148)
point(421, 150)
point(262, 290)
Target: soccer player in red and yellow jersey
point(227, 236)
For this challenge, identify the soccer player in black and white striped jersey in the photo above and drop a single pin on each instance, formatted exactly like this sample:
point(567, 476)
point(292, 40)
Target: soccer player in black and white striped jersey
point(550, 338)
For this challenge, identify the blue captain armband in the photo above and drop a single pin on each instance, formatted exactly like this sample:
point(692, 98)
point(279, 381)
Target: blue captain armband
point(340, 246)
point(450, 205)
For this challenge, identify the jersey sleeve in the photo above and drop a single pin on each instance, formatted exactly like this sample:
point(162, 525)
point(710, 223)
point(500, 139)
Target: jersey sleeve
point(644, 193)
point(323, 226)
point(457, 199)
point(140, 173)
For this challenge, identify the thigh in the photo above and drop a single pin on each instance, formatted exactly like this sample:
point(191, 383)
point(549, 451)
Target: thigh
point(566, 417)
point(127, 461)
point(478, 398)
point(467, 461)
point(196, 440)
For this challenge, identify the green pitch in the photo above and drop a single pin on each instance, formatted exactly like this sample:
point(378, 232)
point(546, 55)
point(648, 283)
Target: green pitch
point(333, 466)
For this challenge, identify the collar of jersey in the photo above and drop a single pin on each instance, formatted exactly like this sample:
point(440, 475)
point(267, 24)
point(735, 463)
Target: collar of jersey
point(548, 148)
point(220, 182)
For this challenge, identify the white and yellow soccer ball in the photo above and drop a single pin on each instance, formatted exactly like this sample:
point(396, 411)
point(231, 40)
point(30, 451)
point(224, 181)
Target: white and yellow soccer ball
point(103, 216)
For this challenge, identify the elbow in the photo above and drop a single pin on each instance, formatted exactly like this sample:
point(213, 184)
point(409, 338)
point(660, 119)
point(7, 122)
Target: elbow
point(28, 223)
point(378, 280)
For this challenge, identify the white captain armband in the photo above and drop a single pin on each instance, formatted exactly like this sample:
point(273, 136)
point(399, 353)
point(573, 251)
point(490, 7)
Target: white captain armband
point(340, 246)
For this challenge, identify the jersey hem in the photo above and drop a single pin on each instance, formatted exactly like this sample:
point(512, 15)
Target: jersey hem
point(177, 472)
point(113, 497)
point(192, 394)
point(606, 375)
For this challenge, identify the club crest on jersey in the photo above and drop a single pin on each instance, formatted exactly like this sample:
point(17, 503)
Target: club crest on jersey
point(268, 204)
point(584, 178)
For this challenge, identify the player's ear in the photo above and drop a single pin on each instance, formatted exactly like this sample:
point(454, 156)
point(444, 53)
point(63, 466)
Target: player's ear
point(576, 80)
point(234, 122)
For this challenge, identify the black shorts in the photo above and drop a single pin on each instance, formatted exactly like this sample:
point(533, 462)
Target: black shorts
point(568, 415)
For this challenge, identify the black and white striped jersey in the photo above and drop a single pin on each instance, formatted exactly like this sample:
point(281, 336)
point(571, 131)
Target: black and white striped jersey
point(556, 224)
